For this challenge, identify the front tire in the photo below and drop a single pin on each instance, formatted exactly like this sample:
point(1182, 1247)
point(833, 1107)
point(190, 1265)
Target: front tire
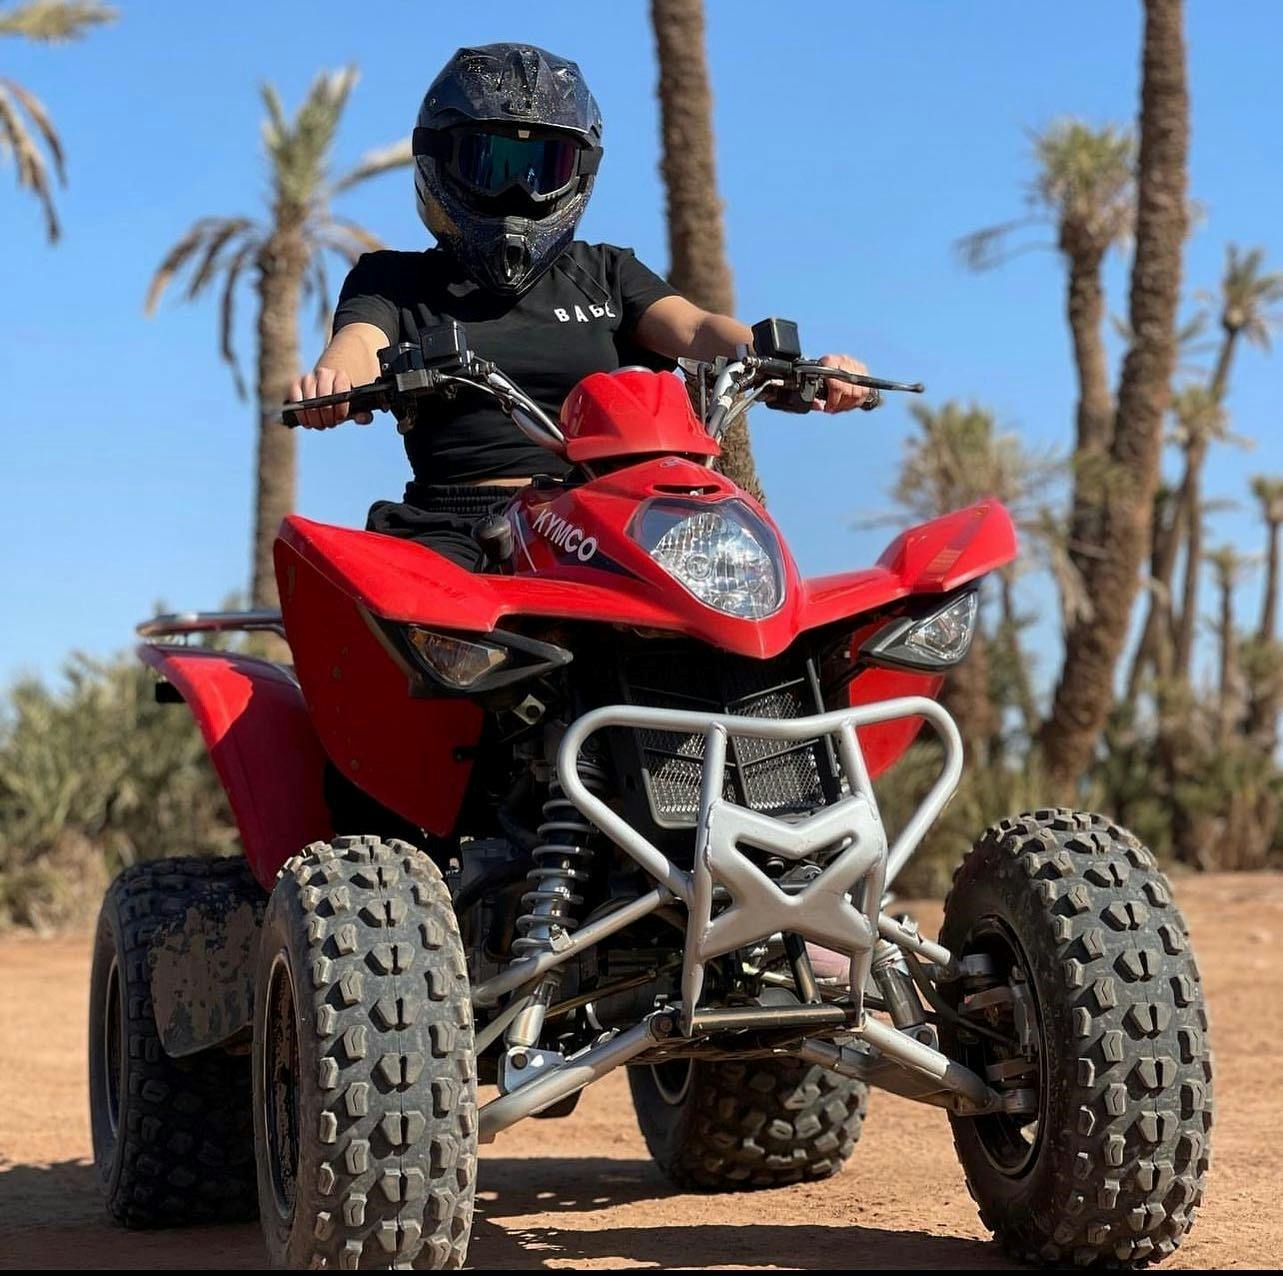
point(365, 1105)
point(734, 1126)
point(1111, 1167)
point(173, 1138)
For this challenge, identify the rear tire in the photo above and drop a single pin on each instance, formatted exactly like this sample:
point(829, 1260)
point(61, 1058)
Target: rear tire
point(1111, 1170)
point(173, 1138)
point(365, 1104)
point(734, 1126)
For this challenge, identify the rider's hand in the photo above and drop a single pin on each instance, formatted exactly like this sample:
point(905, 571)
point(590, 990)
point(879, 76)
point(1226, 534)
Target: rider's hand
point(316, 384)
point(841, 396)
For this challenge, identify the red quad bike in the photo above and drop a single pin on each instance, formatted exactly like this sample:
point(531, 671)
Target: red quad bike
point(601, 806)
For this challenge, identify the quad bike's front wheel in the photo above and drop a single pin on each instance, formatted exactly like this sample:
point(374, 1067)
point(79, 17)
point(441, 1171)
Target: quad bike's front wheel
point(732, 1126)
point(173, 1141)
point(365, 1115)
point(1095, 1029)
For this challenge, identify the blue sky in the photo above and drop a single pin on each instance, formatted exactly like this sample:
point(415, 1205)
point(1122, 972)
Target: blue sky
point(856, 143)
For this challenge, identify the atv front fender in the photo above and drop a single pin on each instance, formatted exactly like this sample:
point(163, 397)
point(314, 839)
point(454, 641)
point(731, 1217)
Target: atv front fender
point(260, 738)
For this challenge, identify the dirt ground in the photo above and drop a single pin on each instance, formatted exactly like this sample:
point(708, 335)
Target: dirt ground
point(582, 1193)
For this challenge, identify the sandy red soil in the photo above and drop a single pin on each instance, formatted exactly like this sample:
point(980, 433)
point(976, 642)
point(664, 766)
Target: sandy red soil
point(583, 1193)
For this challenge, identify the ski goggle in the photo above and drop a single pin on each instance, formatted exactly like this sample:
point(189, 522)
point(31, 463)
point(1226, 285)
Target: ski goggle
point(492, 163)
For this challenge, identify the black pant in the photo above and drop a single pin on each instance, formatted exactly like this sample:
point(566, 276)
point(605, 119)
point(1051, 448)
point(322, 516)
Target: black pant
point(441, 516)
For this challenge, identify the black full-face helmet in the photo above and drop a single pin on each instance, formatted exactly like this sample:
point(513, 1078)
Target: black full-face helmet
point(506, 149)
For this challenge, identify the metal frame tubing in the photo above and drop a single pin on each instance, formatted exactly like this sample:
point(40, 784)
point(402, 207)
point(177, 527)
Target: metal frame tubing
point(577, 1071)
point(839, 908)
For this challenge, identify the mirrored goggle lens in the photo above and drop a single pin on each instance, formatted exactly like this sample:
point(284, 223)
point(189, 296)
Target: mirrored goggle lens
point(491, 163)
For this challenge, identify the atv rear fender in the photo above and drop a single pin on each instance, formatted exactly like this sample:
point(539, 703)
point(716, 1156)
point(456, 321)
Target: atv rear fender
point(263, 746)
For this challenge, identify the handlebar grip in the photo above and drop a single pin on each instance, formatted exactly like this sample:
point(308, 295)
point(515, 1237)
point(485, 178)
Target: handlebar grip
point(370, 398)
point(871, 400)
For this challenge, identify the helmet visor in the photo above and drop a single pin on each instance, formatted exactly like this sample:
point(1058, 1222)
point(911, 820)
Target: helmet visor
point(491, 163)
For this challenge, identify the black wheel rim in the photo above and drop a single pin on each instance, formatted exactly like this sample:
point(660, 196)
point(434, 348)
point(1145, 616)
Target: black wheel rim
point(673, 1080)
point(281, 1086)
point(1012, 1142)
point(112, 1053)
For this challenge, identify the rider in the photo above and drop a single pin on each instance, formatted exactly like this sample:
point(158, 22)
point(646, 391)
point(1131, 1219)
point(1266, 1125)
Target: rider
point(506, 150)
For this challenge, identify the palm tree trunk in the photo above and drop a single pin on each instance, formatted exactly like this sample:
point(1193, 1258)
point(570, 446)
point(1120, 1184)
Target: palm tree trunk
point(698, 267)
point(1160, 616)
point(1023, 686)
point(279, 287)
point(1227, 713)
point(1268, 627)
point(1263, 701)
point(1165, 538)
point(1185, 622)
point(1086, 313)
point(1084, 694)
point(965, 695)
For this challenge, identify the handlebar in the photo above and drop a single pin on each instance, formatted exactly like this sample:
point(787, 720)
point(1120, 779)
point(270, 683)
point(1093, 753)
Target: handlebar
point(440, 362)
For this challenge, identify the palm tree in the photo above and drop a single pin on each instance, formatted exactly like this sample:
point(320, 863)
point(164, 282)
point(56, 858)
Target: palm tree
point(1084, 694)
point(1269, 493)
point(960, 456)
point(1265, 689)
point(25, 125)
point(1201, 420)
point(1227, 565)
point(698, 267)
point(1247, 294)
point(1084, 187)
point(288, 251)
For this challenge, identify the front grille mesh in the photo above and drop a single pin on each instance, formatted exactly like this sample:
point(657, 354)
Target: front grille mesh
point(771, 776)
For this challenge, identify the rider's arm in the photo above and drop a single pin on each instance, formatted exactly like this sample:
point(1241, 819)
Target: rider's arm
point(351, 358)
point(677, 328)
point(366, 320)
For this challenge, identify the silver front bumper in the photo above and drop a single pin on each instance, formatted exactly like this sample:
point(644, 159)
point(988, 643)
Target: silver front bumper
point(839, 908)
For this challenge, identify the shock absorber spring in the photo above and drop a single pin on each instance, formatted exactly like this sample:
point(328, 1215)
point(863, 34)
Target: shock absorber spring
point(562, 861)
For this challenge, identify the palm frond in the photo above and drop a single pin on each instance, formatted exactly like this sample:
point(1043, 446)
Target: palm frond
point(986, 248)
point(299, 149)
point(55, 21)
point(227, 310)
point(398, 155)
point(1086, 178)
point(346, 238)
point(1248, 294)
point(218, 240)
point(1268, 490)
point(33, 173)
point(35, 110)
point(202, 233)
point(316, 284)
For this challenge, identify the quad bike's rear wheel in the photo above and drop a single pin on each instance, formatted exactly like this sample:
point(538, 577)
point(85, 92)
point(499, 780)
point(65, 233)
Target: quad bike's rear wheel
point(731, 1126)
point(173, 1138)
point(1104, 1159)
point(365, 1115)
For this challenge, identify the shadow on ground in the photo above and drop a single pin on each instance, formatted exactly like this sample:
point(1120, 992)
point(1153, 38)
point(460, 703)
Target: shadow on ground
point(51, 1217)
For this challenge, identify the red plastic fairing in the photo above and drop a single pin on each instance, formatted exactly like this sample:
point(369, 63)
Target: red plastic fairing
point(409, 754)
point(576, 559)
point(932, 558)
point(629, 413)
point(884, 743)
point(260, 738)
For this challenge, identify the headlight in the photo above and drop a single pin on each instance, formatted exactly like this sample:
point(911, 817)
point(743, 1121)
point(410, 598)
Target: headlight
point(723, 554)
point(467, 664)
point(936, 641)
point(458, 662)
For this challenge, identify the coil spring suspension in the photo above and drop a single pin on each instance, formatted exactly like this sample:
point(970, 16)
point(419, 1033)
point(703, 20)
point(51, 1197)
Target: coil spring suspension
point(561, 862)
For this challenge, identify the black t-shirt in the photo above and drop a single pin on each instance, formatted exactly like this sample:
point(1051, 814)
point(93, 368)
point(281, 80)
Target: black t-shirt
point(578, 318)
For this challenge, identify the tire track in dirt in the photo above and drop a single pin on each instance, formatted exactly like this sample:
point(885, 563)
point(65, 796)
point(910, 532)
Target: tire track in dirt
point(582, 1193)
